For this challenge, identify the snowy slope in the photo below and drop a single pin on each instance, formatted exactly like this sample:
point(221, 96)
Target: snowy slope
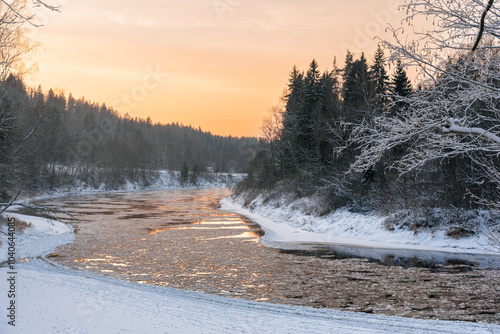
point(288, 224)
point(57, 300)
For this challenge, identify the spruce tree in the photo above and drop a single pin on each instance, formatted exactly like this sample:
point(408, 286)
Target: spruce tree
point(294, 100)
point(294, 103)
point(378, 76)
point(311, 81)
point(401, 85)
point(184, 173)
point(357, 93)
point(193, 177)
point(310, 111)
point(328, 115)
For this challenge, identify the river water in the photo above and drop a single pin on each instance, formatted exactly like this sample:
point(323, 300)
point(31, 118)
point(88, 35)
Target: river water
point(180, 239)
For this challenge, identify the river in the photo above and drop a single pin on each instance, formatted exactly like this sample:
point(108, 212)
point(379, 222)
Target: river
point(180, 239)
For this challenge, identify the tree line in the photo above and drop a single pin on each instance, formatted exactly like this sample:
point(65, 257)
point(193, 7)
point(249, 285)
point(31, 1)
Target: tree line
point(49, 140)
point(321, 140)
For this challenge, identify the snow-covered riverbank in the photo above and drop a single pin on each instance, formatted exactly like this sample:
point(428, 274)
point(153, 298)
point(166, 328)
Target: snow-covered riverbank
point(58, 300)
point(288, 224)
point(33, 236)
point(165, 180)
point(52, 299)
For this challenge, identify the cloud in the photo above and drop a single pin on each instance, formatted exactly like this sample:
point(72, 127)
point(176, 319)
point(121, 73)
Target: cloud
point(135, 22)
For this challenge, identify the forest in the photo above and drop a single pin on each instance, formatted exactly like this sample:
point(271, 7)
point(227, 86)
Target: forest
point(361, 138)
point(50, 141)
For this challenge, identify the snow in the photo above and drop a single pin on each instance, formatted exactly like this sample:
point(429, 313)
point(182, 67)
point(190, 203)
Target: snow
point(42, 237)
point(454, 126)
point(166, 180)
point(58, 300)
point(286, 224)
point(53, 299)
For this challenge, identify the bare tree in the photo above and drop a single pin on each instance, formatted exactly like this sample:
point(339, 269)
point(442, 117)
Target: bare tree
point(272, 130)
point(14, 46)
point(18, 11)
point(457, 110)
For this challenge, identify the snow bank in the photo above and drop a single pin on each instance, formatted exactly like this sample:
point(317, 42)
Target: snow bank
point(58, 300)
point(165, 180)
point(168, 179)
point(288, 224)
point(40, 237)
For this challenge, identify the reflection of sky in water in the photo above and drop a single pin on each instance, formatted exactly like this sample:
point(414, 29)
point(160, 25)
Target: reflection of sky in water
point(244, 235)
point(156, 236)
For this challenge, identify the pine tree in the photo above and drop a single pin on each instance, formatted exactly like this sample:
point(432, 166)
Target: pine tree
point(379, 77)
point(294, 100)
point(184, 173)
point(294, 103)
point(311, 109)
point(401, 85)
point(356, 92)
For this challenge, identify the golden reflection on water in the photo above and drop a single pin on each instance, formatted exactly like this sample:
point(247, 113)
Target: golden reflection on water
point(210, 225)
point(189, 241)
point(246, 235)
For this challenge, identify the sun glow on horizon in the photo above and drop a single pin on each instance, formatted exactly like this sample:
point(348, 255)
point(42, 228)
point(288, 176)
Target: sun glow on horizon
point(224, 69)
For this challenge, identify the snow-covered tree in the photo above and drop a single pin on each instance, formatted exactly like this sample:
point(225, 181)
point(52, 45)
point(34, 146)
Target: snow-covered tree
point(456, 113)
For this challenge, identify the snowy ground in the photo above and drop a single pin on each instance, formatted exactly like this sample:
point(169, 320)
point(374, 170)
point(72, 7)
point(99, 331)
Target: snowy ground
point(57, 300)
point(289, 225)
point(52, 299)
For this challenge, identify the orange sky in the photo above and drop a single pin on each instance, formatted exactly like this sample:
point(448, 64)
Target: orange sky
point(217, 64)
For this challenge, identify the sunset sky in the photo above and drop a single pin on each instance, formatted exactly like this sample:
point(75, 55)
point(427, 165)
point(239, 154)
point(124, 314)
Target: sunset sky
point(218, 65)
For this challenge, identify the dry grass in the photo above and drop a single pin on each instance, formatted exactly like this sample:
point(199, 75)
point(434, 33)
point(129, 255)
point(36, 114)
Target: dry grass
point(20, 224)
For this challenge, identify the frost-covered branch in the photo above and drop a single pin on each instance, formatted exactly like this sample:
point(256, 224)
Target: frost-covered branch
point(14, 44)
point(453, 125)
point(457, 110)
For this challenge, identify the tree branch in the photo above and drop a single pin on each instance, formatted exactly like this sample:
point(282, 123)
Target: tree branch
point(46, 210)
point(481, 25)
point(24, 140)
point(29, 19)
point(453, 126)
point(6, 206)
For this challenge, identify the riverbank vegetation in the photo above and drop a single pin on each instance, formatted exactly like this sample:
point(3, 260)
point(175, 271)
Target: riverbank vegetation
point(357, 137)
